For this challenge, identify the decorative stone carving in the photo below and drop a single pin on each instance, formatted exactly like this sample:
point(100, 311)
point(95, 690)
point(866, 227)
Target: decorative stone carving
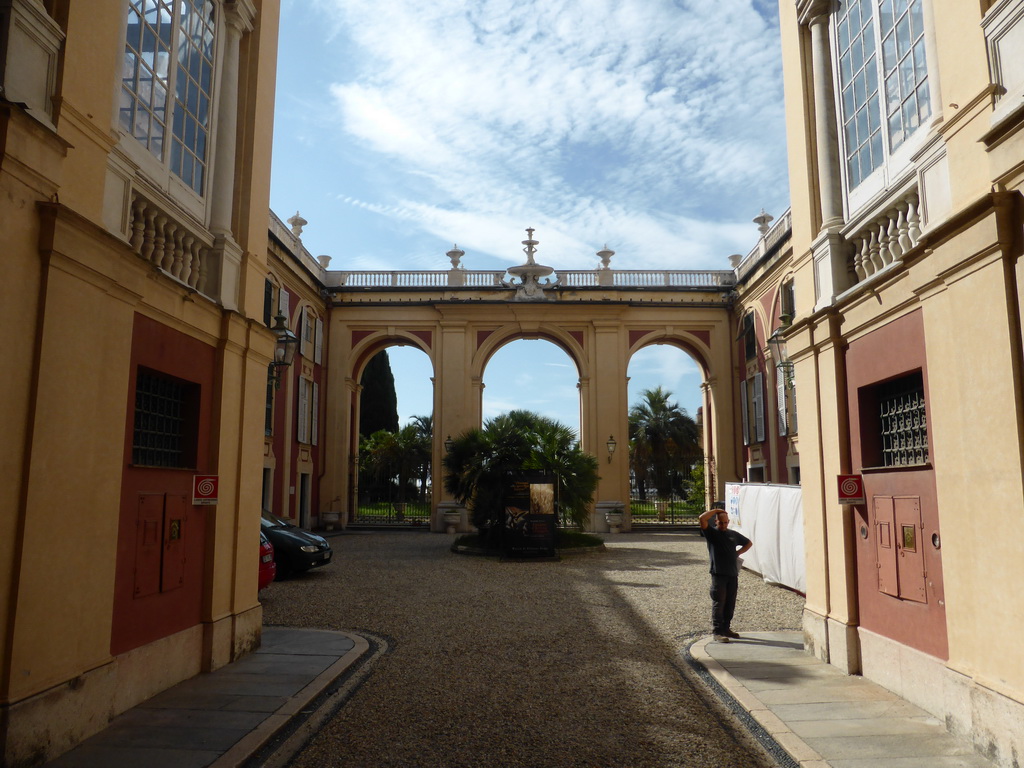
point(529, 287)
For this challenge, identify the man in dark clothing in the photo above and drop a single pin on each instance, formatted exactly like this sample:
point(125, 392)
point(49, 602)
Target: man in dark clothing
point(724, 548)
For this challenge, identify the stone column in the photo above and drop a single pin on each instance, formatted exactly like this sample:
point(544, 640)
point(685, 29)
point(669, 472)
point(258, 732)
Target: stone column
point(816, 14)
point(456, 401)
point(238, 18)
point(607, 416)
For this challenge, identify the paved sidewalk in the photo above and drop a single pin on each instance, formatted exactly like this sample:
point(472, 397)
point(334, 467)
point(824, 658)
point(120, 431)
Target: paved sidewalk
point(226, 717)
point(822, 717)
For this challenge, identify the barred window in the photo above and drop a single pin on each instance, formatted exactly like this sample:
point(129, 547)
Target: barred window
point(904, 428)
point(167, 80)
point(894, 423)
point(165, 424)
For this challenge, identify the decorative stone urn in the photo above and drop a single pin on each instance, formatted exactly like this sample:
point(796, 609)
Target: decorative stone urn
point(614, 519)
point(610, 512)
point(329, 518)
point(451, 515)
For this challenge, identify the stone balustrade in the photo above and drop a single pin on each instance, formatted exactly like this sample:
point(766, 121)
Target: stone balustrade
point(159, 238)
point(767, 244)
point(886, 237)
point(620, 278)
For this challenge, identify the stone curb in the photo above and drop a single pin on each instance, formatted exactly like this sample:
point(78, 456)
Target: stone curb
point(257, 739)
point(794, 746)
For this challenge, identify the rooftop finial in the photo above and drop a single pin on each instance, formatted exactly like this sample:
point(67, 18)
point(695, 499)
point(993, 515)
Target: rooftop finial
point(762, 220)
point(297, 223)
point(455, 254)
point(531, 246)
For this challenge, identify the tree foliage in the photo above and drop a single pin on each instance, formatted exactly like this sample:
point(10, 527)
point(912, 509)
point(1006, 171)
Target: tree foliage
point(480, 462)
point(396, 460)
point(378, 403)
point(664, 443)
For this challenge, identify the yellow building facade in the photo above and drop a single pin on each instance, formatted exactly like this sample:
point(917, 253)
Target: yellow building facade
point(134, 187)
point(905, 127)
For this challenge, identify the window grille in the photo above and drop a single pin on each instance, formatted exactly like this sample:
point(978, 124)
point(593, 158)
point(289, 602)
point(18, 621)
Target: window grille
point(163, 427)
point(904, 428)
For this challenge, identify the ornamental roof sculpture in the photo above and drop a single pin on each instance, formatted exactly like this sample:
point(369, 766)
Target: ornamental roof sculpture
point(530, 287)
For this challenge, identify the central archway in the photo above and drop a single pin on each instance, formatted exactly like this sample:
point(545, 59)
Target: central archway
point(599, 334)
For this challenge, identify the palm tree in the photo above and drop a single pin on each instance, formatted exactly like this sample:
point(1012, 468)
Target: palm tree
point(664, 442)
point(478, 466)
point(394, 458)
point(424, 426)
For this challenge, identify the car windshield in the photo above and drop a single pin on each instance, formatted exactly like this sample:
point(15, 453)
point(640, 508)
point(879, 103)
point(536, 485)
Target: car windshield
point(273, 521)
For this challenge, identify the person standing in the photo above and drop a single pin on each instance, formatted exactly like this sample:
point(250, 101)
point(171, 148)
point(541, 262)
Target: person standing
point(724, 548)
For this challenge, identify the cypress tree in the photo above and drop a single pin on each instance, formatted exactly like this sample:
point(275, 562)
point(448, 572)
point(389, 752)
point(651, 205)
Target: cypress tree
point(378, 405)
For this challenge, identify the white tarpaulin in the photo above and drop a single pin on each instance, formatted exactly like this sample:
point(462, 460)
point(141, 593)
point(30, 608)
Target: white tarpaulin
point(772, 517)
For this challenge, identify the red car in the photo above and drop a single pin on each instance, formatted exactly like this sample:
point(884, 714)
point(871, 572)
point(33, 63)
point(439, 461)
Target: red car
point(268, 568)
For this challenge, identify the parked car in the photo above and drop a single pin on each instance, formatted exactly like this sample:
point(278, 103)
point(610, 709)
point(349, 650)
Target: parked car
point(295, 549)
point(268, 568)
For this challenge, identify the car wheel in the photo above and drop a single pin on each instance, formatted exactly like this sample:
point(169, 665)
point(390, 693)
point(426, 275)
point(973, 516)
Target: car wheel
point(284, 570)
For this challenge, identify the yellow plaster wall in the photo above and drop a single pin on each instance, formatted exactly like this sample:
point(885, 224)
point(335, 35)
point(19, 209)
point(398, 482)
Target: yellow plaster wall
point(92, 54)
point(63, 614)
point(975, 388)
point(66, 394)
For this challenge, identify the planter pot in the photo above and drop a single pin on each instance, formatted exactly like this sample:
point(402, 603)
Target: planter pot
point(451, 520)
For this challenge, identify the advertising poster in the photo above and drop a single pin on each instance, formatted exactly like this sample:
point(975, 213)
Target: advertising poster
point(530, 508)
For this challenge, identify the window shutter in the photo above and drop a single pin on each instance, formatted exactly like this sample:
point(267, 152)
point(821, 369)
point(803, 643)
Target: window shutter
point(780, 388)
point(285, 309)
point(744, 412)
point(793, 428)
point(268, 303)
point(314, 415)
point(303, 411)
point(758, 403)
point(301, 332)
point(318, 346)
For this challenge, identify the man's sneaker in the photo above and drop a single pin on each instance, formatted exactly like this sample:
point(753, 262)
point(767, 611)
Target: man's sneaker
point(730, 633)
point(721, 639)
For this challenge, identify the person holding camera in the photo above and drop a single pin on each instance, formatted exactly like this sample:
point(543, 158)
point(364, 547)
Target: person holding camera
point(724, 548)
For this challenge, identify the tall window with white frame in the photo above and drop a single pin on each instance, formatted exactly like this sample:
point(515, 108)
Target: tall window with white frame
point(167, 83)
point(882, 79)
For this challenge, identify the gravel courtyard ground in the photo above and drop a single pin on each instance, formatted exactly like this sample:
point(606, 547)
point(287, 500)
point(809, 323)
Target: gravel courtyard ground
point(571, 663)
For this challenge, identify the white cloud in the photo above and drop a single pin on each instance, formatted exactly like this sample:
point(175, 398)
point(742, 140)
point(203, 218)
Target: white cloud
point(650, 125)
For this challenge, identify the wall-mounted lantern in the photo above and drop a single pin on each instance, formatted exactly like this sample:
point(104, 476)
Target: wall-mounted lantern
point(777, 344)
point(284, 349)
point(611, 445)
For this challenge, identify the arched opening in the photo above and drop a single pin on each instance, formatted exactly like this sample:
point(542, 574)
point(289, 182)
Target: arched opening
point(533, 375)
point(396, 437)
point(666, 451)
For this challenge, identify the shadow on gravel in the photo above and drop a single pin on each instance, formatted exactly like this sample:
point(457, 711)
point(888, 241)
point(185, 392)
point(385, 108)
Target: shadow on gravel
point(565, 663)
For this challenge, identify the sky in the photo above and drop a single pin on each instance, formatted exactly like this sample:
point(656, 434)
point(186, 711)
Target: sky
point(652, 127)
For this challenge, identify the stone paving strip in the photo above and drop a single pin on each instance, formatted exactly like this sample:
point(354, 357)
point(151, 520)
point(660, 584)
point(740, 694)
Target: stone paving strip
point(822, 717)
point(401, 653)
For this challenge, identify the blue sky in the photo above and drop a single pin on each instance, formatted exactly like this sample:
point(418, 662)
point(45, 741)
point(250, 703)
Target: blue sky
point(652, 126)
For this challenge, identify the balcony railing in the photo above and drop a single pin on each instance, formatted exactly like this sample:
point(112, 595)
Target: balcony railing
point(780, 230)
point(180, 251)
point(616, 278)
point(886, 237)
